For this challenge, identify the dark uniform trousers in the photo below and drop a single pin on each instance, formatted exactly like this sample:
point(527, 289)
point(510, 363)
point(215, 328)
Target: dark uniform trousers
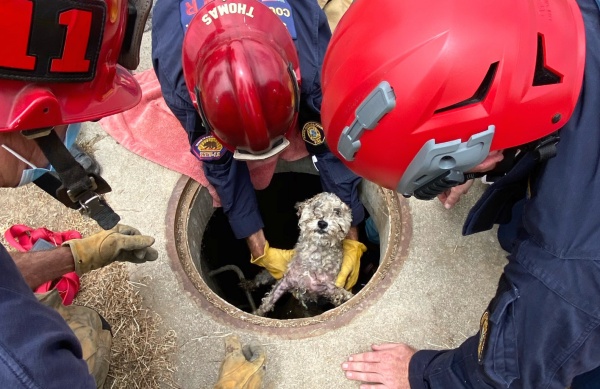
point(37, 347)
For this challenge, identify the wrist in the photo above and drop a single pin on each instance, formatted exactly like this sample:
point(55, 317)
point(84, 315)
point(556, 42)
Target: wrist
point(38, 267)
point(256, 244)
point(74, 247)
point(352, 233)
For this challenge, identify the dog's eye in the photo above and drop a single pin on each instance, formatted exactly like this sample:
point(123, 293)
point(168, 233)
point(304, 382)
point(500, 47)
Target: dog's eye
point(337, 211)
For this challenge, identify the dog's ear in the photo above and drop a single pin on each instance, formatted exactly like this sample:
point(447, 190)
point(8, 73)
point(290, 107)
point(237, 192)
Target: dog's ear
point(299, 207)
point(345, 206)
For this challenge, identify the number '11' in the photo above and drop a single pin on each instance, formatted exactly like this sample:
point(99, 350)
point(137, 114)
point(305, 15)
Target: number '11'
point(18, 17)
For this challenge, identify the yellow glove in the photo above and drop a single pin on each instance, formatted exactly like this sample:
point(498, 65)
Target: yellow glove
point(274, 260)
point(241, 368)
point(122, 243)
point(348, 274)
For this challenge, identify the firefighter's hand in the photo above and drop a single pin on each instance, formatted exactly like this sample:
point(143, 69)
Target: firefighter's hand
point(274, 260)
point(122, 243)
point(350, 269)
point(450, 197)
point(242, 368)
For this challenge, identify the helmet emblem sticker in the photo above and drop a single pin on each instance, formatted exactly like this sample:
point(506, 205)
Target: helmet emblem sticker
point(208, 148)
point(312, 133)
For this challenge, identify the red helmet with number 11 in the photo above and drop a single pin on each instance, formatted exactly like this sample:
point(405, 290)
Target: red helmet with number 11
point(59, 65)
point(415, 93)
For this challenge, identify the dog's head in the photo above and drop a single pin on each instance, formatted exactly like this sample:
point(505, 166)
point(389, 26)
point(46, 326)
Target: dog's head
point(325, 217)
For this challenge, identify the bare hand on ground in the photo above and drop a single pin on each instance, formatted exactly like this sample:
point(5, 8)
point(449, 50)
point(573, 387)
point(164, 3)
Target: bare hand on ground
point(386, 367)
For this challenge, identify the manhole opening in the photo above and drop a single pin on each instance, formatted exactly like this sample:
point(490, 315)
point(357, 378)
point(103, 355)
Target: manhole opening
point(223, 259)
point(200, 242)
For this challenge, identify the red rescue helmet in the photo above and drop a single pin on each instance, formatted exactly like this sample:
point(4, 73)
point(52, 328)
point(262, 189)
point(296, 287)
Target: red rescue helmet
point(242, 70)
point(416, 91)
point(59, 65)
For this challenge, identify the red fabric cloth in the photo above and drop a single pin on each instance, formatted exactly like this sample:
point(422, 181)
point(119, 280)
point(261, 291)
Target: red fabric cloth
point(150, 130)
point(23, 238)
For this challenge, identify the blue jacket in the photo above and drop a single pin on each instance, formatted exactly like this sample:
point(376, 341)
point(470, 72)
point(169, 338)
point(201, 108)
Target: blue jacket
point(542, 328)
point(230, 177)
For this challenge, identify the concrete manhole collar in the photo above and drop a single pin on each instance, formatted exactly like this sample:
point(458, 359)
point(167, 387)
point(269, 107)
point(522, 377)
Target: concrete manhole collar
point(189, 211)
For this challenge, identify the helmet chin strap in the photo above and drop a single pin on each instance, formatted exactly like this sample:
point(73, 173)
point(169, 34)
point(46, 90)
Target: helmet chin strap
point(75, 188)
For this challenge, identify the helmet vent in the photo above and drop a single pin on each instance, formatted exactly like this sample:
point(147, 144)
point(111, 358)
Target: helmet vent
point(543, 75)
point(480, 93)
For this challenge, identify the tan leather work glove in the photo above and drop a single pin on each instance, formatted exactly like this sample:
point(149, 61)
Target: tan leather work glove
point(348, 274)
point(122, 243)
point(334, 10)
point(274, 260)
point(241, 368)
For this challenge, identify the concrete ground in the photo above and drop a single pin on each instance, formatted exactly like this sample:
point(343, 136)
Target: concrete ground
point(434, 301)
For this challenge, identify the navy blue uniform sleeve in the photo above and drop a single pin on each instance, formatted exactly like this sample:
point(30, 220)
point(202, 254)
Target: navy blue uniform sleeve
point(37, 347)
point(569, 183)
point(541, 329)
point(167, 40)
point(313, 37)
point(230, 177)
point(445, 369)
point(338, 179)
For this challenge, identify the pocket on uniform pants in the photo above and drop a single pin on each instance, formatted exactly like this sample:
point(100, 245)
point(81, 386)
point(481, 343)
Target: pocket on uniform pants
point(498, 348)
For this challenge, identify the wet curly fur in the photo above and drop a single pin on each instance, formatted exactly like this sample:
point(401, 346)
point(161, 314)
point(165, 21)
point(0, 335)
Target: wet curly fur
point(324, 223)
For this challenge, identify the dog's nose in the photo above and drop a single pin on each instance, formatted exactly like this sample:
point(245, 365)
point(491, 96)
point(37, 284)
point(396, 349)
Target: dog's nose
point(322, 224)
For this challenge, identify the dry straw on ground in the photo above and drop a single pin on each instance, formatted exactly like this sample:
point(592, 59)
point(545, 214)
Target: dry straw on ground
point(142, 348)
point(140, 353)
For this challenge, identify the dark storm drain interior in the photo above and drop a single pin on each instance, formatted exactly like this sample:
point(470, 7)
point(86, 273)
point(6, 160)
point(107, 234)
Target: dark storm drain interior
point(209, 261)
point(227, 259)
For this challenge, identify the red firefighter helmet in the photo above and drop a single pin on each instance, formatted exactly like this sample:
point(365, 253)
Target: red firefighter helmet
point(242, 70)
point(59, 65)
point(414, 91)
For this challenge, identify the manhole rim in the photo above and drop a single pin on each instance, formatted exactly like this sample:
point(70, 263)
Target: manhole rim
point(180, 261)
